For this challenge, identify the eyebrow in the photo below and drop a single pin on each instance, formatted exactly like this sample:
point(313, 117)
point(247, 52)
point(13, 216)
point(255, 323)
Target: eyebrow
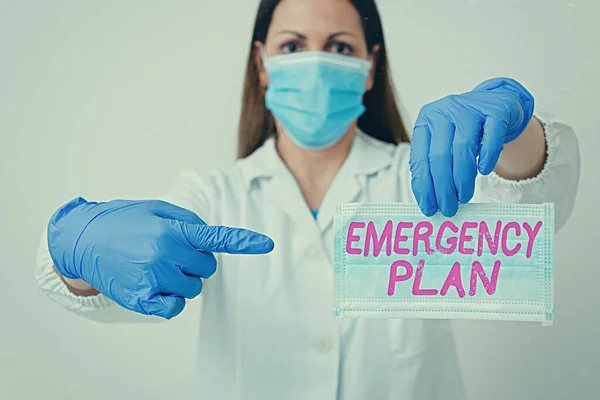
point(303, 37)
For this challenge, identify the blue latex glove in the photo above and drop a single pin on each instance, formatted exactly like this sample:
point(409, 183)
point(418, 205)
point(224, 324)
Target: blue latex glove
point(147, 256)
point(458, 135)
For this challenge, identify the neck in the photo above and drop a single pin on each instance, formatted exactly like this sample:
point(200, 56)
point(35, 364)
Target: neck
point(314, 170)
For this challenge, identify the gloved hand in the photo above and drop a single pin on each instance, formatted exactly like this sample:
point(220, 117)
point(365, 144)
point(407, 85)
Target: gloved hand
point(147, 256)
point(458, 135)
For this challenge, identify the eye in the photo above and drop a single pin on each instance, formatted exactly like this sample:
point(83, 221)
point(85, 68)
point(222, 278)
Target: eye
point(290, 47)
point(340, 48)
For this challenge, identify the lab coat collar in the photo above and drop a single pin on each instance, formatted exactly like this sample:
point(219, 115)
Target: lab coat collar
point(366, 157)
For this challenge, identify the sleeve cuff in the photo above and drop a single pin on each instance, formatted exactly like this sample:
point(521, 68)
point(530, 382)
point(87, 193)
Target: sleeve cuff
point(51, 284)
point(554, 159)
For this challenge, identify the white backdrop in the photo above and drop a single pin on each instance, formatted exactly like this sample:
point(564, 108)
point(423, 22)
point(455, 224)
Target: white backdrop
point(110, 99)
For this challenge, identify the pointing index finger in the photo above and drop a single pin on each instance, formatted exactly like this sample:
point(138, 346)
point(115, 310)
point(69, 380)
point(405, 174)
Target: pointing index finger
point(224, 239)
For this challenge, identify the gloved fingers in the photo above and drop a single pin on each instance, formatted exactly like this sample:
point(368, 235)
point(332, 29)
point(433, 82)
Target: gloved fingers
point(183, 253)
point(469, 130)
point(196, 263)
point(513, 100)
point(223, 239)
point(170, 211)
point(492, 143)
point(441, 163)
point(162, 306)
point(421, 180)
point(180, 285)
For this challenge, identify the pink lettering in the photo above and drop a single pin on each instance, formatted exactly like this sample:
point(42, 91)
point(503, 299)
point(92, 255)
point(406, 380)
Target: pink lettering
point(488, 284)
point(452, 241)
point(484, 232)
point(505, 249)
point(454, 279)
point(351, 238)
point(416, 289)
point(531, 233)
point(386, 237)
point(464, 238)
point(418, 236)
point(394, 277)
point(401, 238)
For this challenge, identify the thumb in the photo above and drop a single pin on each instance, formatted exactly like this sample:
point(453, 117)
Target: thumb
point(492, 143)
point(223, 239)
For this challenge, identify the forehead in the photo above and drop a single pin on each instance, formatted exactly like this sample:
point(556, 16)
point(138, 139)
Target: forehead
point(315, 16)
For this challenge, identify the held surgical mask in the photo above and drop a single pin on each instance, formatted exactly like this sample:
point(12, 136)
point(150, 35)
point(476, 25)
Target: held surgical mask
point(489, 262)
point(316, 96)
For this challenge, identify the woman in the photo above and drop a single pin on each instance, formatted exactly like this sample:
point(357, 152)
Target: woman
point(319, 127)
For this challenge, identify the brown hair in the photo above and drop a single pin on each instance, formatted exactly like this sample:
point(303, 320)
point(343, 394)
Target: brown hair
point(381, 119)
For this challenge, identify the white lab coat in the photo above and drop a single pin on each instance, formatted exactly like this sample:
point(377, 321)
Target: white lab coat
point(268, 331)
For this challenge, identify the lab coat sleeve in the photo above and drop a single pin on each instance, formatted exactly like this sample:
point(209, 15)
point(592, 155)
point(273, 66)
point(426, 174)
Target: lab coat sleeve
point(188, 191)
point(557, 182)
point(198, 194)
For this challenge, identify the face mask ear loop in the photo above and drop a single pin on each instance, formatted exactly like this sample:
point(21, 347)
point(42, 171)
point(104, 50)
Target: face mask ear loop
point(371, 60)
point(263, 55)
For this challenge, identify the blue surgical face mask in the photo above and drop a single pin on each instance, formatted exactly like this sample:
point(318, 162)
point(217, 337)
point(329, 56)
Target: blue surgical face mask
point(316, 96)
point(489, 262)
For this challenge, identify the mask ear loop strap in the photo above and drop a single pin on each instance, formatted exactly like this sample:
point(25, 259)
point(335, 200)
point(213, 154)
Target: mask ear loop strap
point(263, 59)
point(263, 55)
